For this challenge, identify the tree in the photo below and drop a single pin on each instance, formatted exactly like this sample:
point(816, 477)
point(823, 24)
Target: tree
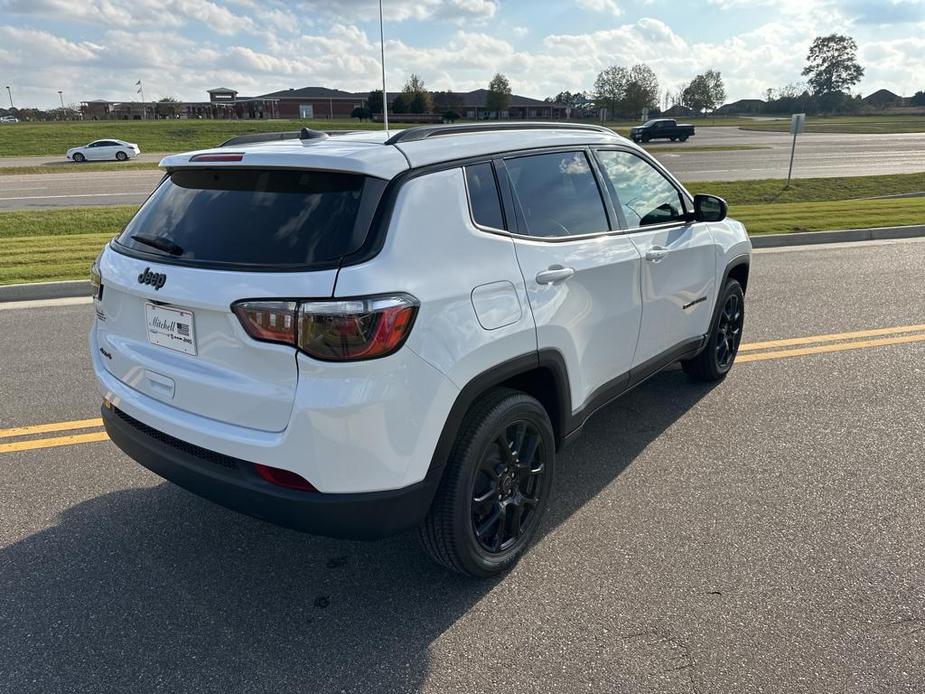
point(401, 103)
point(450, 116)
point(167, 107)
point(499, 95)
point(416, 97)
point(374, 101)
point(832, 65)
point(360, 113)
point(641, 90)
point(918, 99)
point(705, 93)
point(610, 88)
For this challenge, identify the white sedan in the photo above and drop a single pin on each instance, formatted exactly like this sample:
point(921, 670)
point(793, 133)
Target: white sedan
point(104, 149)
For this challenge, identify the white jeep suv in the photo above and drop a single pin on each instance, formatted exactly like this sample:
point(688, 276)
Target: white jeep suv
point(358, 335)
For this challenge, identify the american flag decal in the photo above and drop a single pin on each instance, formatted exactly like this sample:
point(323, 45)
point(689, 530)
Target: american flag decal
point(183, 329)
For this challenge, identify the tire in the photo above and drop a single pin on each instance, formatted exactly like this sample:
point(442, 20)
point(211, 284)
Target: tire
point(674, 139)
point(501, 467)
point(78, 157)
point(645, 138)
point(684, 139)
point(717, 358)
point(121, 156)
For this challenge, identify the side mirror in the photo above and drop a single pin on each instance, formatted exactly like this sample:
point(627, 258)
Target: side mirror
point(709, 208)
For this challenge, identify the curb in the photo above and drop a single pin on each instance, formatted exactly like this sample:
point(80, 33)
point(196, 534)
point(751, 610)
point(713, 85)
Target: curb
point(37, 291)
point(805, 238)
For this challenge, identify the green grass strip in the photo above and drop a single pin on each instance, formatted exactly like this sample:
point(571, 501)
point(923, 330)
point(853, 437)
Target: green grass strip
point(810, 189)
point(69, 168)
point(819, 216)
point(65, 221)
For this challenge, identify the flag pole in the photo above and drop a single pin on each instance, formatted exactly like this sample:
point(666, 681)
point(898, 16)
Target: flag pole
point(385, 94)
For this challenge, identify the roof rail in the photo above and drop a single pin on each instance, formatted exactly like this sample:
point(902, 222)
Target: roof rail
point(303, 134)
point(427, 131)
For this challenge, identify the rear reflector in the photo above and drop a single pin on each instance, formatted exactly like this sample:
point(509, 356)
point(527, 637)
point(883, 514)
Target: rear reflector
point(230, 156)
point(283, 478)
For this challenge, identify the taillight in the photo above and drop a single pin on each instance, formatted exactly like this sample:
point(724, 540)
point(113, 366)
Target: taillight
point(283, 478)
point(272, 321)
point(333, 330)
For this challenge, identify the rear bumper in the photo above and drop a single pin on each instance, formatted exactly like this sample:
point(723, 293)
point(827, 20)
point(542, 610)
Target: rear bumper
point(233, 483)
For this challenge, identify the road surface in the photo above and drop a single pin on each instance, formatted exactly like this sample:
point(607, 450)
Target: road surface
point(764, 535)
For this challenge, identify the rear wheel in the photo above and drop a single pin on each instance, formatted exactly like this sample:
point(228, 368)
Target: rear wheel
point(78, 157)
point(121, 156)
point(495, 487)
point(674, 139)
point(684, 138)
point(714, 362)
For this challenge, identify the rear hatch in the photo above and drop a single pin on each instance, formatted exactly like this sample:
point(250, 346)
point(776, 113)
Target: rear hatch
point(208, 238)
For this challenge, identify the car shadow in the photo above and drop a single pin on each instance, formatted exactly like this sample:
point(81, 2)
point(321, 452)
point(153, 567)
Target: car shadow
point(154, 589)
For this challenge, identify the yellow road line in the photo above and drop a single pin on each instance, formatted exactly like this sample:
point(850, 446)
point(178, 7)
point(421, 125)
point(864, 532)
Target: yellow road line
point(53, 442)
point(822, 349)
point(814, 339)
point(53, 426)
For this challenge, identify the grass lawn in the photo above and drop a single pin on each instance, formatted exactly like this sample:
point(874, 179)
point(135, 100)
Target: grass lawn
point(655, 149)
point(778, 218)
point(42, 245)
point(810, 189)
point(27, 139)
point(70, 167)
point(847, 124)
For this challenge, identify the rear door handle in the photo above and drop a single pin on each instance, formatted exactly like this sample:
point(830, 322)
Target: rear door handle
point(656, 253)
point(554, 274)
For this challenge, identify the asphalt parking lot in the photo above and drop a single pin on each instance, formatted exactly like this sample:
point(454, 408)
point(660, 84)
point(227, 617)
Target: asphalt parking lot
point(763, 535)
point(817, 154)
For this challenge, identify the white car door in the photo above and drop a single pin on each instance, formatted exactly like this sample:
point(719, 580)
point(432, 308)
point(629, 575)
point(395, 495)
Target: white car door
point(93, 151)
point(581, 272)
point(678, 274)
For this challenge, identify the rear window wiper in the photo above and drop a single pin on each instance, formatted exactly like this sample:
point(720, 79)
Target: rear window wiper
point(160, 243)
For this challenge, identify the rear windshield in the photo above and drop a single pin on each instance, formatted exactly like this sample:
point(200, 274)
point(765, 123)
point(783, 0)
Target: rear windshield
point(258, 219)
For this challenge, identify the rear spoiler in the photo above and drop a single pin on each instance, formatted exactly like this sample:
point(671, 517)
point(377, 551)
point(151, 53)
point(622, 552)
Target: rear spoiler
point(303, 134)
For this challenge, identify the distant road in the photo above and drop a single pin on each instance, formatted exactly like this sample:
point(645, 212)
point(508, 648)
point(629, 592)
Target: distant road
point(818, 155)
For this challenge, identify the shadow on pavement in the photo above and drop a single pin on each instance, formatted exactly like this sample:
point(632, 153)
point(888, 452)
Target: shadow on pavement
point(154, 589)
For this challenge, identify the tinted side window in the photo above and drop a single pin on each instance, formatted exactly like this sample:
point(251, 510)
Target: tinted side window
point(643, 193)
point(483, 196)
point(558, 194)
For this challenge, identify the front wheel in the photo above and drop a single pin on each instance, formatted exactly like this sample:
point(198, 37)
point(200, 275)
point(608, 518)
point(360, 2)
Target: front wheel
point(495, 487)
point(78, 157)
point(714, 362)
point(121, 156)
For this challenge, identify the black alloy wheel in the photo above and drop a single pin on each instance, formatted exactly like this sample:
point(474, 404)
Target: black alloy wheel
point(508, 487)
point(729, 332)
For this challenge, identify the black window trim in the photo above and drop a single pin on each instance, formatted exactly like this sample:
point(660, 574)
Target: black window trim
point(504, 212)
point(686, 198)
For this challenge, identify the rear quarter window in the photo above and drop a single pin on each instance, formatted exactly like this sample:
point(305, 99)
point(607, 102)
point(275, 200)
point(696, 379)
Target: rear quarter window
point(253, 218)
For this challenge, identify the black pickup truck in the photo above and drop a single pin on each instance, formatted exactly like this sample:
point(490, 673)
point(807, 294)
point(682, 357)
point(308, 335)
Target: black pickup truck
point(661, 129)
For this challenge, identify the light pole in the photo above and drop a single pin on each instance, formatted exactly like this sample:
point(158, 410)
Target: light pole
point(11, 96)
point(61, 96)
point(385, 94)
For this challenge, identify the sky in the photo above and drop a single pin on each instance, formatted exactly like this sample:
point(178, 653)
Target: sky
point(99, 49)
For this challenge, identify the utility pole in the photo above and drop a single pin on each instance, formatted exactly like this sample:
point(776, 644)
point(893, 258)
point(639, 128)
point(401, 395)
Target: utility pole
point(61, 96)
point(11, 96)
point(385, 94)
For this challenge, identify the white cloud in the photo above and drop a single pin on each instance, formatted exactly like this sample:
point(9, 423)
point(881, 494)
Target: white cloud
point(610, 6)
point(258, 46)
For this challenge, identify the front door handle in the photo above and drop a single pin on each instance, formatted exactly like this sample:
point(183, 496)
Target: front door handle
point(554, 274)
point(657, 253)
